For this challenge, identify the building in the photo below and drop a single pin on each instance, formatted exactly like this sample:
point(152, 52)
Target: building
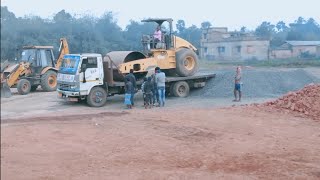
point(219, 44)
point(296, 49)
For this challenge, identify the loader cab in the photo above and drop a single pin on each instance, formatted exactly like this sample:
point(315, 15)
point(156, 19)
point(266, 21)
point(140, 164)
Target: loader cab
point(149, 41)
point(38, 56)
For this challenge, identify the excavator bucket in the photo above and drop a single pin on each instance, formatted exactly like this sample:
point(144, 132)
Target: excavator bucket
point(5, 90)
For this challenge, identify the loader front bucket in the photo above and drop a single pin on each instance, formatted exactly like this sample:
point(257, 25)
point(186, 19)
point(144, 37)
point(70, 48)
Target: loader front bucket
point(5, 90)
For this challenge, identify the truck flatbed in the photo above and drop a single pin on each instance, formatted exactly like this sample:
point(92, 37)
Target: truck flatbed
point(194, 77)
point(169, 79)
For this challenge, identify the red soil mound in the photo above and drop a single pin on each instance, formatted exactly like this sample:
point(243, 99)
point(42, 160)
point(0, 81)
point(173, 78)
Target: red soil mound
point(306, 101)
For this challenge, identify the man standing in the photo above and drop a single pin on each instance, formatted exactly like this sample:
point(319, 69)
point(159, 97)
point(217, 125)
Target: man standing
point(155, 94)
point(148, 88)
point(157, 36)
point(238, 83)
point(161, 85)
point(132, 79)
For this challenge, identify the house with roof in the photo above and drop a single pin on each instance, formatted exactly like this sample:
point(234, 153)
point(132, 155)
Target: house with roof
point(217, 43)
point(296, 49)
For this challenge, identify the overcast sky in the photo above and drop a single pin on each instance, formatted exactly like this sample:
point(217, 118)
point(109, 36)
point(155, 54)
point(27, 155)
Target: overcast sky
point(228, 13)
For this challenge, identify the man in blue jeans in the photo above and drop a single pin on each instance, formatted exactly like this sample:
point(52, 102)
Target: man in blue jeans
point(237, 84)
point(161, 85)
point(130, 77)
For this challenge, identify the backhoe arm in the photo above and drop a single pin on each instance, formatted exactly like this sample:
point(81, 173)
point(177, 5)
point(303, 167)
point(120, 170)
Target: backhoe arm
point(64, 49)
point(13, 77)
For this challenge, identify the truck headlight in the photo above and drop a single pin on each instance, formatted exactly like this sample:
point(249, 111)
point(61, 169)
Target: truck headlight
point(73, 87)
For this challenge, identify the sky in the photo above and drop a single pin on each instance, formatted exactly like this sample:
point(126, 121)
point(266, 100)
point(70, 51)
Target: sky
point(221, 13)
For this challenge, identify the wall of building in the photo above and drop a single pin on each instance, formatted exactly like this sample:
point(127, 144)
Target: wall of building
point(235, 50)
point(297, 50)
point(280, 54)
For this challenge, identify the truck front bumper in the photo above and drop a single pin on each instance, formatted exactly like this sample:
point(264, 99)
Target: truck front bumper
point(68, 95)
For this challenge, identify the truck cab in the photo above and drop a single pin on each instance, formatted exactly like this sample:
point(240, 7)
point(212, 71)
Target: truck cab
point(79, 75)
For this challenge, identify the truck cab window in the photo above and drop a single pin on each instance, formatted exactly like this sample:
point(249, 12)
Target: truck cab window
point(92, 62)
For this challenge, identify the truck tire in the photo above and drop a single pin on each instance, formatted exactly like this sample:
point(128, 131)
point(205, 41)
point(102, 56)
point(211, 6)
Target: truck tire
point(34, 88)
point(181, 89)
point(97, 97)
point(171, 90)
point(23, 86)
point(49, 81)
point(186, 62)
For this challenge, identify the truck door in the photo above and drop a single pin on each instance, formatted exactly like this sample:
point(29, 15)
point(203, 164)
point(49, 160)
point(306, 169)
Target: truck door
point(92, 73)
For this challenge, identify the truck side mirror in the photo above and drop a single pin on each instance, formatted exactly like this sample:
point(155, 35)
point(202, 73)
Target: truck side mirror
point(83, 67)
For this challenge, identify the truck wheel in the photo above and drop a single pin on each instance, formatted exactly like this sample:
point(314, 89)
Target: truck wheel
point(181, 89)
point(97, 97)
point(49, 81)
point(186, 62)
point(34, 88)
point(171, 92)
point(23, 86)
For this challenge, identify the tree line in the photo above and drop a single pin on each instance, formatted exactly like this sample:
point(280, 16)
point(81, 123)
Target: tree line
point(87, 33)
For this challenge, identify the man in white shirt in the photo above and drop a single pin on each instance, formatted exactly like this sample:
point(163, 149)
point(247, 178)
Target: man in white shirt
point(161, 85)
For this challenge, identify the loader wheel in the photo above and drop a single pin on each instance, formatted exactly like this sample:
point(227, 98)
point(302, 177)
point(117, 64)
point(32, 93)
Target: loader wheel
point(49, 81)
point(23, 86)
point(186, 62)
point(181, 89)
point(97, 97)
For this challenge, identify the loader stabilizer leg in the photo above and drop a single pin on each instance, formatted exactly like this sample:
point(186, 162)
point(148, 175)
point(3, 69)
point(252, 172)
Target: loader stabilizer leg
point(5, 90)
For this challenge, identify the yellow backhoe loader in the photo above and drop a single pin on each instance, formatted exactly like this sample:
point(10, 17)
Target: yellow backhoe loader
point(174, 55)
point(37, 66)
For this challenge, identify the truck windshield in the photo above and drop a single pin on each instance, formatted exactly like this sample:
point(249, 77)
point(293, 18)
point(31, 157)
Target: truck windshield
point(69, 64)
point(28, 55)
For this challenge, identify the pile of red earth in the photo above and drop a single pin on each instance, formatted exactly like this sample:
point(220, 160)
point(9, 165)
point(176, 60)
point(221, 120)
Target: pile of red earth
point(305, 101)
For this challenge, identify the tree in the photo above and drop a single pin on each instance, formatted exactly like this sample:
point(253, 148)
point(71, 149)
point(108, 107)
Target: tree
point(243, 29)
point(205, 25)
point(281, 26)
point(62, 16)
point(265, 30)
point(181, 26)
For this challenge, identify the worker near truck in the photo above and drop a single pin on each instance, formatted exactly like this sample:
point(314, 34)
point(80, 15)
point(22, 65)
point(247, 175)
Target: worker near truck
point(130, 77)
point(237, 84)
point(161, 85)
point(128, 89)
point(145, 79)
point(155, 94)
point(148, 88)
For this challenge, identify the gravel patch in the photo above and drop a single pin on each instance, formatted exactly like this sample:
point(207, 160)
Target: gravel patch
point(257, 83)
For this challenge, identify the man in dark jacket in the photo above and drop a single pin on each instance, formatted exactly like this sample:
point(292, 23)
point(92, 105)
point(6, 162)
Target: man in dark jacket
point(128, 89)
point(155, 97)
point(148, 89)
point(132, 79)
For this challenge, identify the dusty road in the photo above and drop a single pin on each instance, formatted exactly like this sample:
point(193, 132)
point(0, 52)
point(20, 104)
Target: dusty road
point(227, 143)
point(200, 137)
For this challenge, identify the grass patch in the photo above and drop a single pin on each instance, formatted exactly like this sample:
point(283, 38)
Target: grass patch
point(294, 63)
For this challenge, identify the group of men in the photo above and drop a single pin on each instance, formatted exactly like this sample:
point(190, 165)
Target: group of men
point(153, 89)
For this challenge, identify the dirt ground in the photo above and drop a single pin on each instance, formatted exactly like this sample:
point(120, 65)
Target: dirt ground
point(43, 137)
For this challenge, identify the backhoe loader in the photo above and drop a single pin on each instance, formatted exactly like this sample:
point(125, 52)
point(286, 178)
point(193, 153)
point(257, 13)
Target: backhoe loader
point(37, 66)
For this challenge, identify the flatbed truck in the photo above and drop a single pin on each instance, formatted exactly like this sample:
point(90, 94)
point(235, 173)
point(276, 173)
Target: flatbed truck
point(93, 78)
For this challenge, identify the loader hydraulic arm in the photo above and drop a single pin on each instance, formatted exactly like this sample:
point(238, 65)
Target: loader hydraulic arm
point(19, 70)
point(64, 49)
